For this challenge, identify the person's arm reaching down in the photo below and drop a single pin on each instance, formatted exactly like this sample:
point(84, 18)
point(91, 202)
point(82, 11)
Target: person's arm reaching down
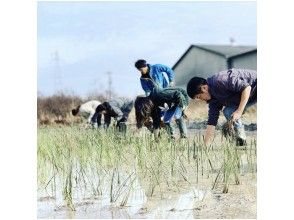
point(244, 99)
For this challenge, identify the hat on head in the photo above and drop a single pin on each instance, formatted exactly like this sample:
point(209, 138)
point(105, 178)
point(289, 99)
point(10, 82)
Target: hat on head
point(140, 64)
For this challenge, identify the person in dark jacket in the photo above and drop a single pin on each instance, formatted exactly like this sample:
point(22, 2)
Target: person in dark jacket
point(233, 89)
point(118, 109)
point(174, 100)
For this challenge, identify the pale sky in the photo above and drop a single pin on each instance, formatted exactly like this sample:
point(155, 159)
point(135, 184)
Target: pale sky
point(93, 38)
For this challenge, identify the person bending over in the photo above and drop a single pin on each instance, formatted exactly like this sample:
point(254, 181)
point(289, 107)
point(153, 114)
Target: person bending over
point(116, 108)
point(233, 89)
point(173, 100)
point(87, 110)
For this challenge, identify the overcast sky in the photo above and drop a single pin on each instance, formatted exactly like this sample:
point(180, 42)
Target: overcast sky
point(79, 42)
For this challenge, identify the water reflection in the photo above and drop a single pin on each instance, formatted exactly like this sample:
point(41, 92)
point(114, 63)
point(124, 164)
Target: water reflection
point(130, 194)
point(137, 205)
point(181, 206)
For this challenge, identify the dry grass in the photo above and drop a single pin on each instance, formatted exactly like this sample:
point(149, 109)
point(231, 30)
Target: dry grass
point(198, 111)
point(56, 109)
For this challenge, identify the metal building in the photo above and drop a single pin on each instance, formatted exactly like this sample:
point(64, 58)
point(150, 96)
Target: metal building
point(206, 60)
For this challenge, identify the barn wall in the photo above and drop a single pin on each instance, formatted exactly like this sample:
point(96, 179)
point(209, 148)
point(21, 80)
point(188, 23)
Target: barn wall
point(246, 61)
point(200, 63)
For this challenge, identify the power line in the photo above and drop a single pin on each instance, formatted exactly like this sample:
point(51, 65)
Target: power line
point(58, 85)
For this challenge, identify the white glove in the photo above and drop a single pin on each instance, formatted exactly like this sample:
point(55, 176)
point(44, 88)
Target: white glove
point(171, 84)
point(164, 108)
point(184, 114)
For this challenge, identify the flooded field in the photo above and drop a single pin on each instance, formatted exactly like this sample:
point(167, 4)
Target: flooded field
point(84, 173)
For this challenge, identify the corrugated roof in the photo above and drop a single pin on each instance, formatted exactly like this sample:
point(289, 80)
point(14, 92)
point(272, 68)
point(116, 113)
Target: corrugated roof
point(226, 51)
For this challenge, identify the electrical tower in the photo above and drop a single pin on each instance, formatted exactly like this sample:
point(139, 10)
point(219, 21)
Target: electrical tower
point(109, 90)
point(57, 75)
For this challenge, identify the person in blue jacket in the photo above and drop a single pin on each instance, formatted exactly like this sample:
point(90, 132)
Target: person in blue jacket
point(157, 75)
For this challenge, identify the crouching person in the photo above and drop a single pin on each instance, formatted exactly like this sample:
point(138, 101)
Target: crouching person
point(233, 89)
point(117, 109)
point(172, 100)
point(87, 110)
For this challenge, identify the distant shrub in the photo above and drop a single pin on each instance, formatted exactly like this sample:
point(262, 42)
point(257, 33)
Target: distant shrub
point(56, 109)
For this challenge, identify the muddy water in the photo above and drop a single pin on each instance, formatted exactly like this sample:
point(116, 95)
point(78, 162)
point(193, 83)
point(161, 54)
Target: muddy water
point(180, 206)
point(131, 203)
point(139, 207)
point(190, 202)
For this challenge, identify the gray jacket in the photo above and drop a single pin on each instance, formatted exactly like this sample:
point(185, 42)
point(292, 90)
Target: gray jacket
point(118, 109)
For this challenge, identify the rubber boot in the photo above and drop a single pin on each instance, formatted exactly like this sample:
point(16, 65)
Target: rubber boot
point(122, 127)
point(169, 130)
point(94, 125)
point(182, 127)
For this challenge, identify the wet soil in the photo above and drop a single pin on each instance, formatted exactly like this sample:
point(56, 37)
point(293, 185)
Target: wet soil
point(194, 200)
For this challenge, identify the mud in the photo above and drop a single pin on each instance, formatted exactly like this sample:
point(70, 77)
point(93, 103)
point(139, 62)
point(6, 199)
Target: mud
point(195, 200)
point(190, 202)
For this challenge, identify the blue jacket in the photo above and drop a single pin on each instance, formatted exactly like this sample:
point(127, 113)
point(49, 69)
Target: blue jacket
point(160, 75)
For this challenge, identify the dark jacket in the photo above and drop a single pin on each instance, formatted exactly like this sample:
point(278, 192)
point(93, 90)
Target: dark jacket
point(173, 97)
point(226, 88)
